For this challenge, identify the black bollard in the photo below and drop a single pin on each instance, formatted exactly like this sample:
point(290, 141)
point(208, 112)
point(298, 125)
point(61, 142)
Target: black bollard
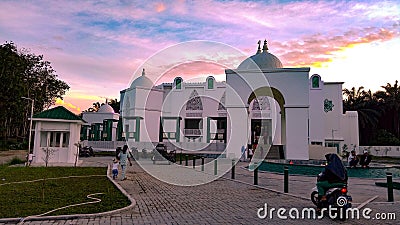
point(286, 180)
point(233, 169)
point(194, 161)
point(255, 173)
point(186, 160)
point(180, 158)
point(202, 163)
point(215, 167)
point(389, 186)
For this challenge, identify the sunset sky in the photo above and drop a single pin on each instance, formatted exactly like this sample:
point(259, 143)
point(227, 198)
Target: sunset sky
point(98, 47)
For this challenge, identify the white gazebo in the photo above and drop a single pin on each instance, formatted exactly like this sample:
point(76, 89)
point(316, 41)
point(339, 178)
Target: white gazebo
point(57, 131)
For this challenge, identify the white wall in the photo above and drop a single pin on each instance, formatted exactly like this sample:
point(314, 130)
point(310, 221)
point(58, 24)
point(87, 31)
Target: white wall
point(390, 151)
point(62, 155)
point(316, 113)
point(296, 134)
point(333, 92)
point(349, 129)
point(318, 152)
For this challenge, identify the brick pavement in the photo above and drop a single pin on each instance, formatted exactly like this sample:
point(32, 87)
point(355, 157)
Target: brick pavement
point(220, 202)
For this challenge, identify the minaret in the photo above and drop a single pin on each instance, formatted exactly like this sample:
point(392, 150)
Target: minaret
point(259, 47)
point(265, 47)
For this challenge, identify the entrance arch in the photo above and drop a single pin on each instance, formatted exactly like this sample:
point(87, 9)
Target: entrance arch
point(289, 87)
point(276, 95)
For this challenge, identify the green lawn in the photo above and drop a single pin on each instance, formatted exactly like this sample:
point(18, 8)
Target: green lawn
point(25, 199)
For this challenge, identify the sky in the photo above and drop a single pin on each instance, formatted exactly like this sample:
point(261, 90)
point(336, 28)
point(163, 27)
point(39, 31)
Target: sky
point(99, 47)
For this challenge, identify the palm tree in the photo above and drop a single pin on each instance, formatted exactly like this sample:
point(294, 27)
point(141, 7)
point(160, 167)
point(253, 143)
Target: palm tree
point(364, 103)
point(114, 103)
point(368, 112)
point(389, 99)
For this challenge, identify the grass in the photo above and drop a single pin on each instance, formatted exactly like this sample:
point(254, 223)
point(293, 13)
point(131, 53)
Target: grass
point(25, 199)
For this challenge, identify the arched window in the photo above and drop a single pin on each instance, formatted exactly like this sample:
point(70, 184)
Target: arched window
point(315, 81)
point(178, 83)
point(210, 82)
point(194, 102)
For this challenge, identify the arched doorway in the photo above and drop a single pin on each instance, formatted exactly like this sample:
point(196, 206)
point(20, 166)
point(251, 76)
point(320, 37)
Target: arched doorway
point(289, 87)
point(265, 121)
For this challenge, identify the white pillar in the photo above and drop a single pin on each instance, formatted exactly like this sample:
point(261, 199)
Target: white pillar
point(296, 133)
point(237, 131)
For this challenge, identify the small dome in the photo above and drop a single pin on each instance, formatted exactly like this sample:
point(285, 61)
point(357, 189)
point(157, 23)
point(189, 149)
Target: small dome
point(106, 108)
point(261, 60)
point(142, 81)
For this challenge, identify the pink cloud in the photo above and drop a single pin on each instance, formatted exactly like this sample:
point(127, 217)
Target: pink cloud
point(160, 7)
point(318, 48)
point(191, 70)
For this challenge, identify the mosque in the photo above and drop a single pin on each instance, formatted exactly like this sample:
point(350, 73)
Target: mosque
point(262, 109)
point(296, 115)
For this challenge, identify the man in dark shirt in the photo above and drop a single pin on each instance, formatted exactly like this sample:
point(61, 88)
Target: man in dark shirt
point(365, 159)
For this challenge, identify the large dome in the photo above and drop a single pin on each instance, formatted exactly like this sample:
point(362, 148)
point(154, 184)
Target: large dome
point(142, 81)
point(261, 60)
point(106, 108)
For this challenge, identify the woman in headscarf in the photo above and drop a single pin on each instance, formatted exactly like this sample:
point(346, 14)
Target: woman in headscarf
point(334, 175)
point(123, 158)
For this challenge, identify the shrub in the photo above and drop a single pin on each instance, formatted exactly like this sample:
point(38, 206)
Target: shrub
point(16, 160)
point(384, 138)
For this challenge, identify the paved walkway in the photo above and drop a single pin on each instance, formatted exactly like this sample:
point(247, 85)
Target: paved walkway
point(222, 201)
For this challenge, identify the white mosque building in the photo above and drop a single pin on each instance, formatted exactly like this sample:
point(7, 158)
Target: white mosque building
point(298, 115)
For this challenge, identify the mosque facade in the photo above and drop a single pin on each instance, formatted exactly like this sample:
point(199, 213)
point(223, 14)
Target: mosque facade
point(279, 112)
point(294, 115)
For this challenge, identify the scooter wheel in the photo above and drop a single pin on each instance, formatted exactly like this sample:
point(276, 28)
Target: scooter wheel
point(314, 197)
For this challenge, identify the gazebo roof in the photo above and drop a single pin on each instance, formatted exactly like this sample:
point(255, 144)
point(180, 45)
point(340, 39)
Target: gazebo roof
point(59, 113)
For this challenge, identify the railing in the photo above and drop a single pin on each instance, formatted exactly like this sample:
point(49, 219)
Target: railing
point(104, 144)
point(192, 132)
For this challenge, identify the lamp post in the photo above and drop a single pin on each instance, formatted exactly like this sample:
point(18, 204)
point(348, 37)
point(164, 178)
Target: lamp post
point(333, 142)
point(30, 125)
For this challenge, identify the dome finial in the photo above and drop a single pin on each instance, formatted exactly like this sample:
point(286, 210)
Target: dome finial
point(259, 47)
point(265, 47)
point(143, 72)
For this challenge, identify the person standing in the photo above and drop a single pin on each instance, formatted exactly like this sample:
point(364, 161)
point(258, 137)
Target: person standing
point(123, 158)
point(30, 158)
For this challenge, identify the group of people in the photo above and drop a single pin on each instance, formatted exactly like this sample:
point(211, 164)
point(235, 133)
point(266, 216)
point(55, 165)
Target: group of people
point(121, 159)
point(364, 159)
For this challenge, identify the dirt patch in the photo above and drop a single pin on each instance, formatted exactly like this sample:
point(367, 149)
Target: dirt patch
point(6, 156)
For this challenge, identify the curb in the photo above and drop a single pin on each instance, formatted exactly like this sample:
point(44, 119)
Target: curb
point(77, 216)
point(302, 197)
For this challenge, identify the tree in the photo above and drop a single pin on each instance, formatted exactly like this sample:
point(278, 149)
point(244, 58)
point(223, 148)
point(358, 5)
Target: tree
point(389, 100)
point(367, 108)
point(95, 108)
point(378, 113)
point(24, 74)
point(115, 104)
point(48, 155)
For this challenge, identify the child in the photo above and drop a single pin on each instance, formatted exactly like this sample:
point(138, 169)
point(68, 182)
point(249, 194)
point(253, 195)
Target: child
point(30, 158)
point(115, 168)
